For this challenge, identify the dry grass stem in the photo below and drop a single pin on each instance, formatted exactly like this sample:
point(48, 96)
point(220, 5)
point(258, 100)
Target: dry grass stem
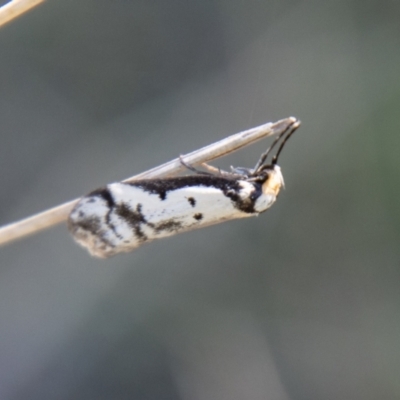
point(15, 8)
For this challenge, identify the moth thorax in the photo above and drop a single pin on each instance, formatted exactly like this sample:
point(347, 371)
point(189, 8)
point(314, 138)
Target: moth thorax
point(273, 184)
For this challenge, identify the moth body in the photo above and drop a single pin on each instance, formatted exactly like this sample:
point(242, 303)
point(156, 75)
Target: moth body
point(122, 216)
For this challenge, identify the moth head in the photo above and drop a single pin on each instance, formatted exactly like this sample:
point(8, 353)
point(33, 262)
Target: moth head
point(273, 180)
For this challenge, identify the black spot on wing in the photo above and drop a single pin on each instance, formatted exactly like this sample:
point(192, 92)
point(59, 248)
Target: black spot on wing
point(198, 216)
point(192, 201)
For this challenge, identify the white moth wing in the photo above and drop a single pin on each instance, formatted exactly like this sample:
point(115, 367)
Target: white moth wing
point(182, 209)
point(123, 216)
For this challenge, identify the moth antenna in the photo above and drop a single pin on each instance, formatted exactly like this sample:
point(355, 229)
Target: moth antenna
point(290, 132)
point(264, 156)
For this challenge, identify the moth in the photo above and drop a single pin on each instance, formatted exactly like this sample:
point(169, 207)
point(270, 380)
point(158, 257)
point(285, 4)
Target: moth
point(122, 216)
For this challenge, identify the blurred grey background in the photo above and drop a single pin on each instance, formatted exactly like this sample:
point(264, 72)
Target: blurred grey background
point(302, 302)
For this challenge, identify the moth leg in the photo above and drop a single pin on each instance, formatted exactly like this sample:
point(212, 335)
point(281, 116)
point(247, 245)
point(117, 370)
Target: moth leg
point(210, 168)
point(227, 174)
point(191, 168)
point(211, 171)
point(215, 170)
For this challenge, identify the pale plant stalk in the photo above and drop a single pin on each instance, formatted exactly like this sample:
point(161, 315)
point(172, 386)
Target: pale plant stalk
point(59, 214)
point(15, 8)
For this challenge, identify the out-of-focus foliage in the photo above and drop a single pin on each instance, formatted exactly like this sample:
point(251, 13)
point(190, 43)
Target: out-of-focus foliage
point(300, 303)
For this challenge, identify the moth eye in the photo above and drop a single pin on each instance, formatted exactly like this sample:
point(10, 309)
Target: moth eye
point(263, 177)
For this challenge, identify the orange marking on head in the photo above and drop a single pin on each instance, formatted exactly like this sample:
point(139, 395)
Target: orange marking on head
point(274, 182)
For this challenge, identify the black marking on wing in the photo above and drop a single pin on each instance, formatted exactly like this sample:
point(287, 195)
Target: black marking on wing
point(83, 225)
point(247, 204)
point(230, 187)
point(134, 218)
point(105, 194)
point(168, 225)
point(91, 224)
